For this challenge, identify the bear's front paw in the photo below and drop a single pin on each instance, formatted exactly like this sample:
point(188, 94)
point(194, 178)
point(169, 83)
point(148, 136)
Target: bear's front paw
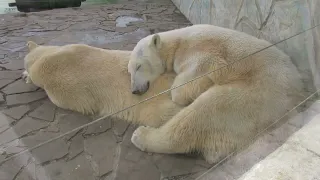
point(179, 98)
point(25, 77)
point(139, 136)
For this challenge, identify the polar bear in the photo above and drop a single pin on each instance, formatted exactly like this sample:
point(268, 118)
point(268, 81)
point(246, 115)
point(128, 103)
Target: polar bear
point(93, 80)
point(226, 108)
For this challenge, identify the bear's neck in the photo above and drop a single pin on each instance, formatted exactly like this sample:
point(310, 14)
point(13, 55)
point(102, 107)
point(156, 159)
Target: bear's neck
point(168, 51)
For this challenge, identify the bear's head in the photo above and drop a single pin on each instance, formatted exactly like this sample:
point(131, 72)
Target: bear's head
point(31, 56)
point(145, 63)
point(36, 52)
point(32, 45)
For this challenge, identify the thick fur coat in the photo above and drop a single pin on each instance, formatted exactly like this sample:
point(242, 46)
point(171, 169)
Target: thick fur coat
point(95, 81)
point(226, 108)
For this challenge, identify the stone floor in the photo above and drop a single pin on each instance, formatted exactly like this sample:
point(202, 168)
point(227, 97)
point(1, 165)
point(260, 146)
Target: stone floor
point(102, 151)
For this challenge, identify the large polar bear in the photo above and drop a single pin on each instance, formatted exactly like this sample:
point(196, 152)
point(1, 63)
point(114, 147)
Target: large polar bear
point(93, 80)
point(227, 108)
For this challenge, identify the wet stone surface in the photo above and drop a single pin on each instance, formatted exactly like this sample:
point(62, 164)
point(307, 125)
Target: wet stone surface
point(102, 151)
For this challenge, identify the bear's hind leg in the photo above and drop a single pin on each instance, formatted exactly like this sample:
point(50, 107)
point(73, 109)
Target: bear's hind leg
point(186, 132)
point(211, 125)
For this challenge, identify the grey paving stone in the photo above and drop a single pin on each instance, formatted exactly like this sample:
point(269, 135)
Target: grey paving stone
point(143, 169)
point(13, 65)
point(16, 55)
point(99, 127)
point(4, 128)
point(135, 164)
point(10, 75)
point(52, 151)
point(101, 149)
point(37, 138)
point(45, 112)
point(25, 98)
point(17, 112)
point(22, 128)
point(4, 82)
point(11, 168)
point(27, 125)
point(19, 86)
point(1, 98)
point(77, 169)
point(120, 126)
point(7, 136)
point(5, 120)
point(27, 173)
point(68, 120)
point(76, 146)
point(177, 165)
point(12, 147)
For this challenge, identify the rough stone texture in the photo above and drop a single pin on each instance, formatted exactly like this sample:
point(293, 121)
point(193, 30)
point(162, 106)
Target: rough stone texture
point(22, 128)
point(272, 20)
point(13, 65)
point(45, 111)
point(5, 122)
point(19, 86)
point(51, 151)
point(101, 151)
point(133, 162)
point(77, 168)
point(25, 98)
point(99, 127)
point(17, 112)
point(9, 75)
point(4, 82)
point(1, 98)
point(68, 120)
point(27, 173)
point(120, 127)
point(298, 158)
point(309, 136)
point(76, 146)
point(10, 169)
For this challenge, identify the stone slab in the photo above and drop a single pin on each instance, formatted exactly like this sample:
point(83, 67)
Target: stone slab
point(298, 158)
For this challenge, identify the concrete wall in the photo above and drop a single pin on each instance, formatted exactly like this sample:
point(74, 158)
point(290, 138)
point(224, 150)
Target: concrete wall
point(272, 20)
point(297, 159)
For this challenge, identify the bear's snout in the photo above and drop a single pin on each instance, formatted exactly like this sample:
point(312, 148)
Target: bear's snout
point(141, 89)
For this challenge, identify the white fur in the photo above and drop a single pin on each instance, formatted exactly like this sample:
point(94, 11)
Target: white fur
point(225, 108)
point(92, 80)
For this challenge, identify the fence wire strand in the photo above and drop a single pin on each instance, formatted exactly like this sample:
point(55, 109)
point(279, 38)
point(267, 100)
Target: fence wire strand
point(161, 93)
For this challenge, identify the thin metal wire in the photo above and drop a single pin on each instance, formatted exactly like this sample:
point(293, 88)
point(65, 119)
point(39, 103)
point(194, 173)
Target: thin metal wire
point(258, 134)
point(147, 99)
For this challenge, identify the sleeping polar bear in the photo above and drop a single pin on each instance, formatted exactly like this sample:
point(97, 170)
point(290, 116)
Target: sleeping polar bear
point(227, 108)
point(93, 80)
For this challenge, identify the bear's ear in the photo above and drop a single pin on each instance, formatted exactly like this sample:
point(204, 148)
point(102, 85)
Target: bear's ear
point(31, 45)
point(155, 41)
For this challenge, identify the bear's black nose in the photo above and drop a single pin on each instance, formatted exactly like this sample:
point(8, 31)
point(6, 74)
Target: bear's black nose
point(135, 92)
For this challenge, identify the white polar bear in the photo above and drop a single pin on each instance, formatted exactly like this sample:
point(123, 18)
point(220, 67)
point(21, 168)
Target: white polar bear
point(227, 108)
point(93, 80)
